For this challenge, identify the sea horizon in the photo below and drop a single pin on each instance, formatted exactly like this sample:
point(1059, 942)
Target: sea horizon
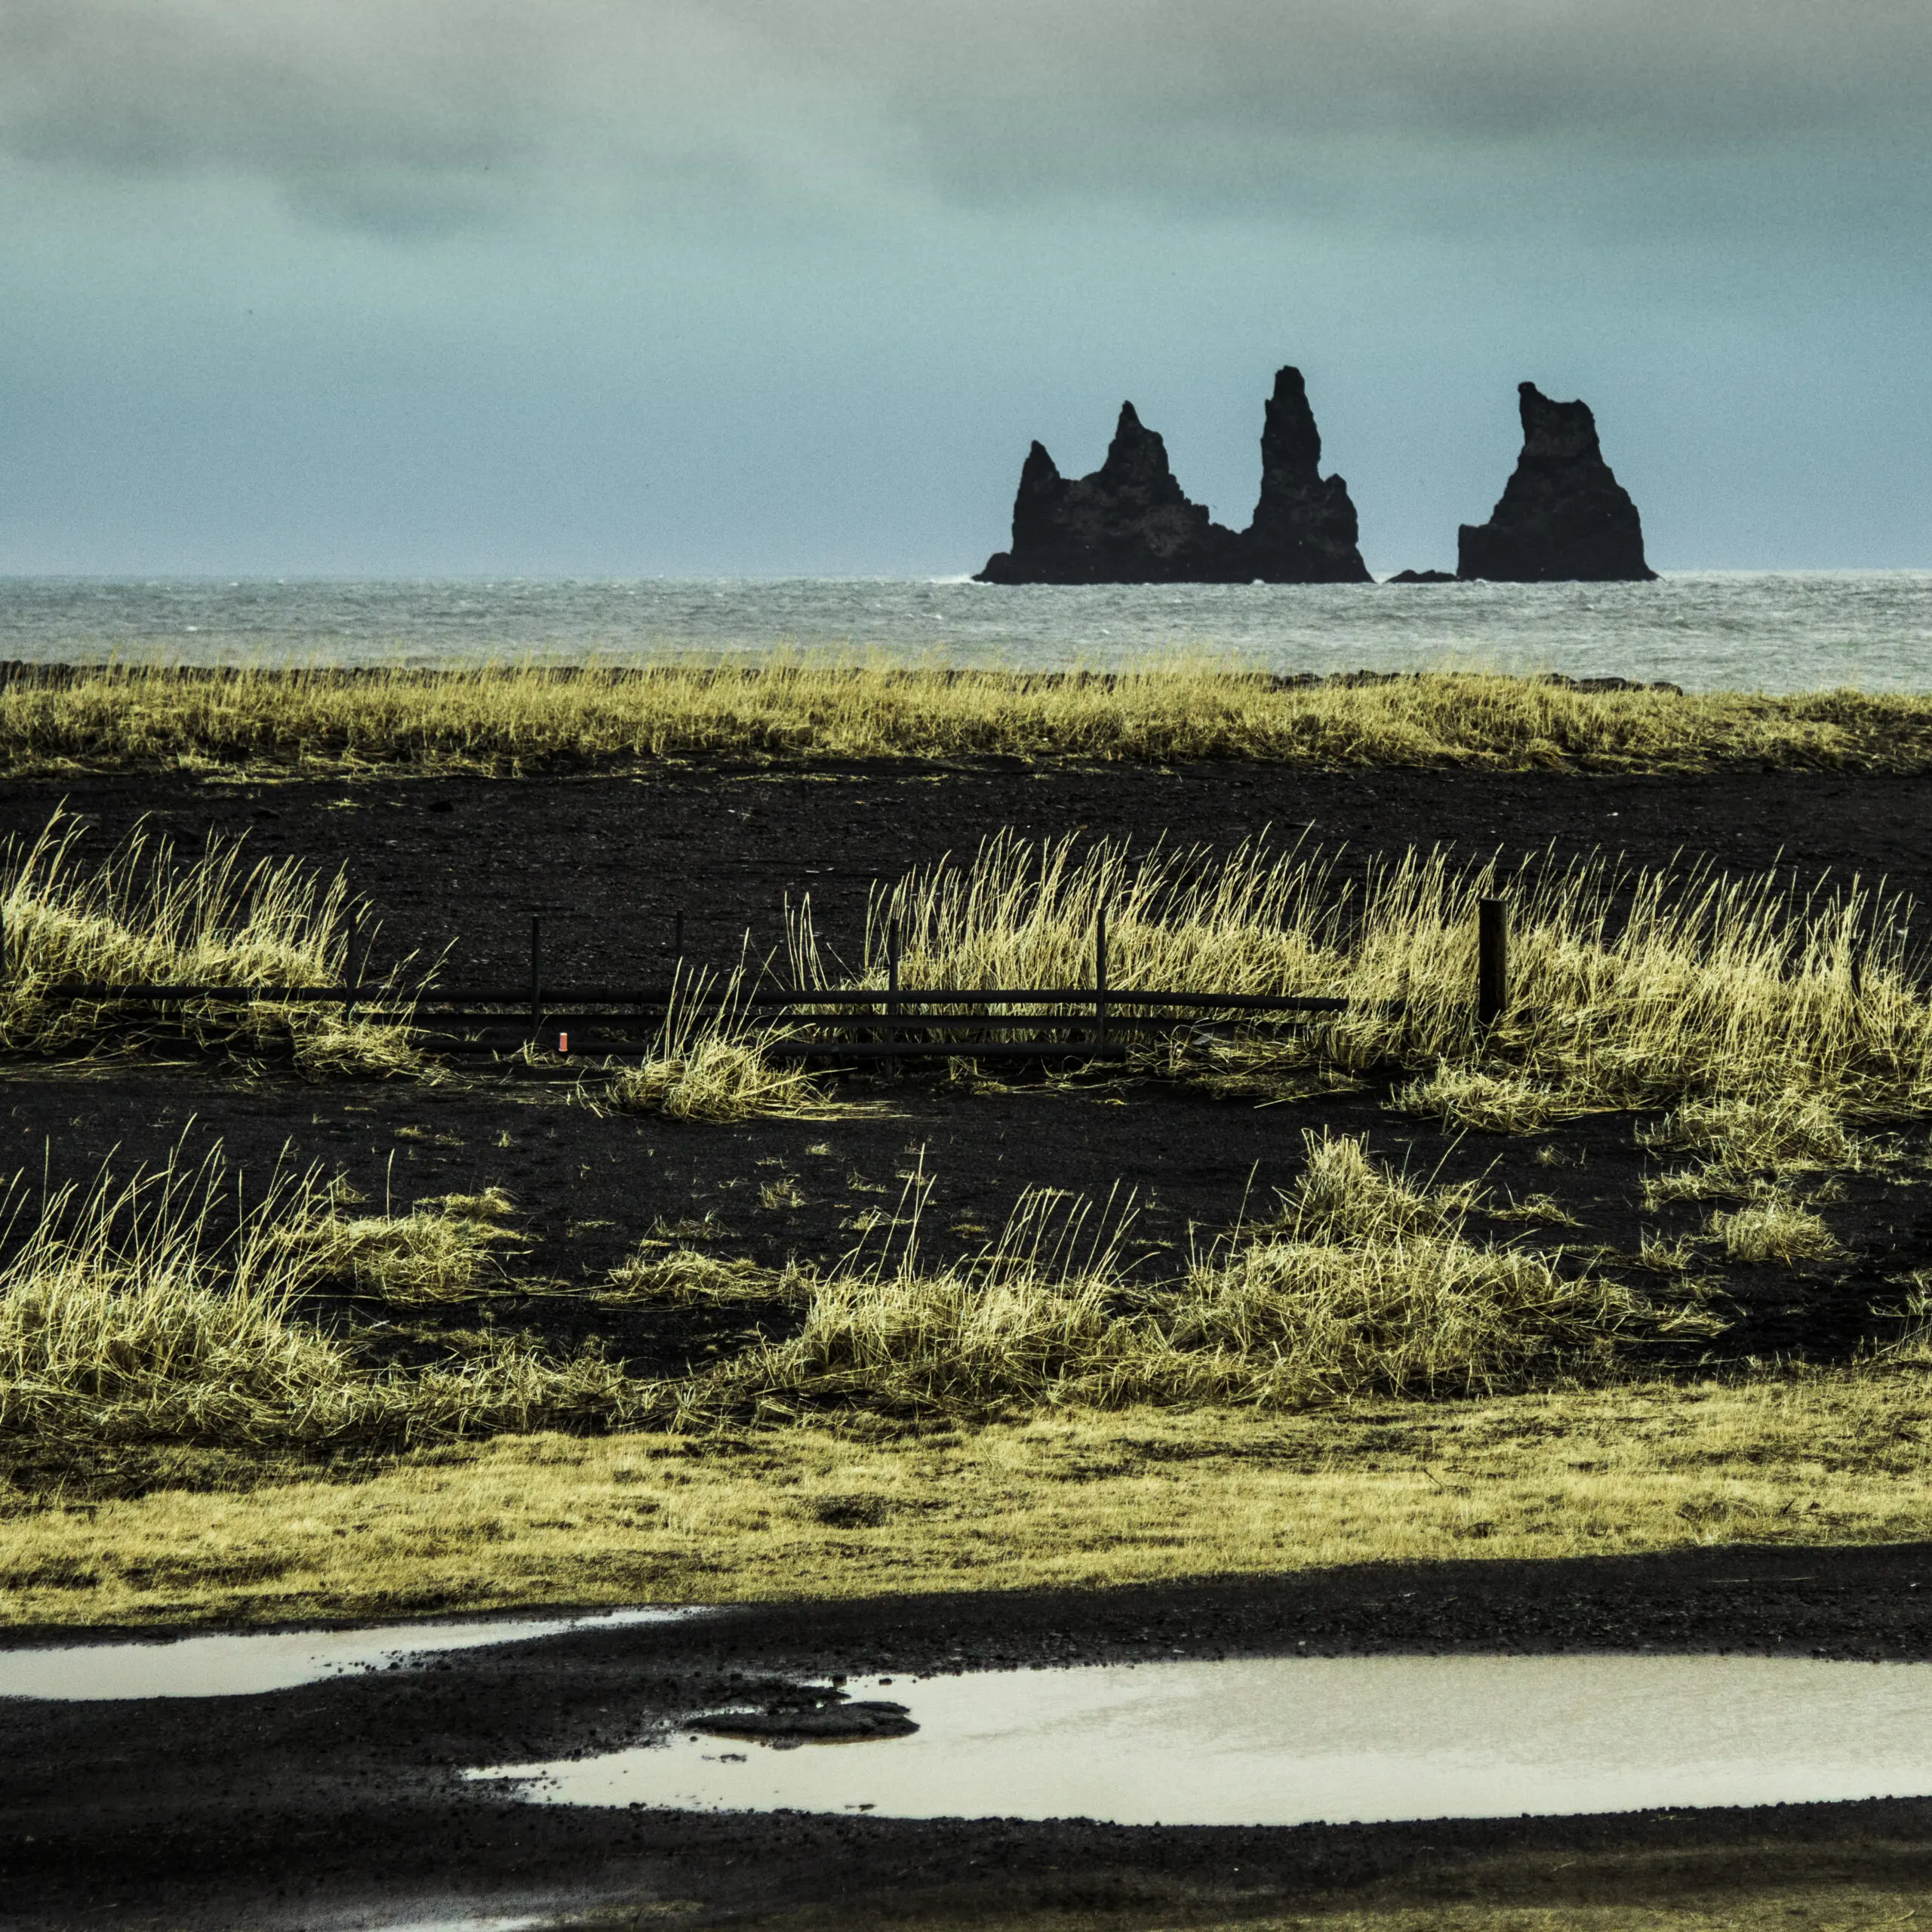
point(1781, 630)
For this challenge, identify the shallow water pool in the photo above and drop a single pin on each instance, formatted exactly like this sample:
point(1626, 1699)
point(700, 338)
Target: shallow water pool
point(1287, 1741)
point(250, 1663)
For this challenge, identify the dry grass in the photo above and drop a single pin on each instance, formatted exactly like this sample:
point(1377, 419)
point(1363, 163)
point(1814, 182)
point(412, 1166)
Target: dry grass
point(1370, 1285)
point(681, 1277)
point(143, 914)
point(167, 1308)
point(1494, 1102)
point(1773, 1229)
point(1783, 1132)
point(1345, 1198)
point(122, 1311)
point(511, 718)
point(1765, 1885)
point(443, 1250)
point(1750, 1146)
point(1081, 1498)
point(711, 1061)
point(1630, 989)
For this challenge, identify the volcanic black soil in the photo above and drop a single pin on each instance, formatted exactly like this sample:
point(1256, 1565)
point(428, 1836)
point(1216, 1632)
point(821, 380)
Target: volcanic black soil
point(453, 868)
point(290, 1809)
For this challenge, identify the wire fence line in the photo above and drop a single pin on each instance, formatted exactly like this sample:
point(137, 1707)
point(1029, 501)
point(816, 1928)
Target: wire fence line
point(890, 1023)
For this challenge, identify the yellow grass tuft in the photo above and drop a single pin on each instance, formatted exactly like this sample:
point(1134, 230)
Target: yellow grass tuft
point(144, 916)
point(164, 1309)
point(711, 1062)
point(435, 1253)
point(681, 1277)
point(1772, 1229)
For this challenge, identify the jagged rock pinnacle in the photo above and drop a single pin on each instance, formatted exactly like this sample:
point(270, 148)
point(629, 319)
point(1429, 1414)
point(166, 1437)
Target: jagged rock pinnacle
point(1304, 530)
point(1131, 522)
point(1562, 515)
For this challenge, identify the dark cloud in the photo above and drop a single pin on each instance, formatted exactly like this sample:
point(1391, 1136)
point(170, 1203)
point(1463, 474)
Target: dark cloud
point(386, 110)
point(383, 111)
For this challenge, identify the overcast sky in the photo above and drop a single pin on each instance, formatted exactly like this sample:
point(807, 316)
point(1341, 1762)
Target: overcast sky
point(635, 286)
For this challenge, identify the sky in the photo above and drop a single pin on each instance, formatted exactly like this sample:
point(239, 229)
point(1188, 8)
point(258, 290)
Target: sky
point(637, 287)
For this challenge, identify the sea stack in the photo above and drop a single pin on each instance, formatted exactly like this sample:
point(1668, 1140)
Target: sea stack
point(1563, 516)
point(1131, 522)
point(1304, 530)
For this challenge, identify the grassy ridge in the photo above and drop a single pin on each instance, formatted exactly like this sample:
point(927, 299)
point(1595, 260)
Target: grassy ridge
point(1083, 1497)
point(512, 718)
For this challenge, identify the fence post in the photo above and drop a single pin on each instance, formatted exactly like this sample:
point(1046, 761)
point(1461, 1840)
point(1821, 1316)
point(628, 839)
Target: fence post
point(678, 936)
point(892, 988)
point(351, 977)
point(1100, 978)
point(1492, 960)
point(536, 976)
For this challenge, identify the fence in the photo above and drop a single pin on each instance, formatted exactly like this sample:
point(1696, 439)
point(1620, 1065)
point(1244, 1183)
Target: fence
point(846, 1023)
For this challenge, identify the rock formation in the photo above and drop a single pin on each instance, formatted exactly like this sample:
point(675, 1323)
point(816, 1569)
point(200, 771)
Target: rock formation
point(1423, 577)
point(1562, 515)
point(1131, 522)
point(1304, 528)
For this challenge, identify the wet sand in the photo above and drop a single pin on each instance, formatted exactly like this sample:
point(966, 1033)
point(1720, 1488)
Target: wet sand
point(324, 1804)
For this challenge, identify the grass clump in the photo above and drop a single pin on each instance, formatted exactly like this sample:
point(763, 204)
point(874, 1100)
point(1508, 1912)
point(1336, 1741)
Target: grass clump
point(1372, 1285)
point(1748, 1144)
point(683, 1278)
point(121, 1315)
point(710, 1061)
point(1492, 1103)
point(1369, 1285)
point(1343, 1197)
point(1772, 1229)
point(143, 915)
point(1785, 1131)
point(441, 1251)
point(1027, 1320)
point(512, 719)
point(164, 1309)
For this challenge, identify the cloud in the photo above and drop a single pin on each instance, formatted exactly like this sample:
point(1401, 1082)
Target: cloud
point(387, 112)
point(380, 111)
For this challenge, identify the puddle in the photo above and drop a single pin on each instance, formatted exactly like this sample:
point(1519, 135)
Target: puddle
point(1290, 1741)
point(246, 1665)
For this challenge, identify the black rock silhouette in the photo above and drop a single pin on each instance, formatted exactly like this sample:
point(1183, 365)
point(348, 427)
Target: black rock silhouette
point(1563, 515)
point(1304, 530)
point(1131, 522)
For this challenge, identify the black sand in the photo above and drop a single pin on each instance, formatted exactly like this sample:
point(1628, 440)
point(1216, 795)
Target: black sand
point(290, 1809)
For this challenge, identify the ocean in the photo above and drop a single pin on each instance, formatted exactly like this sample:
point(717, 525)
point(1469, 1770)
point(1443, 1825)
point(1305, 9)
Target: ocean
point(1772, 631)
